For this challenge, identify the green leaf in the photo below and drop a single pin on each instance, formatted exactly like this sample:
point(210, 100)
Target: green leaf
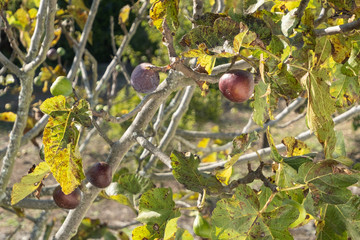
point(339, 153)
point(173, 232)
point(165, 9)
point(29, 183)
point(223, 29)
point(329, 183)
point(112, 193)
point(90, 229)
point(134, 184)
point(185, 172)
point(157, 206)
point(60, 138)
point(296, 161)
point(260, 104)
point(148, 231)
point(239, 218)
point(320, 108)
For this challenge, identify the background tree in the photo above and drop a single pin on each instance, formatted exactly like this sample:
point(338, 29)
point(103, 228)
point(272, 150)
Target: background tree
point(277, 58)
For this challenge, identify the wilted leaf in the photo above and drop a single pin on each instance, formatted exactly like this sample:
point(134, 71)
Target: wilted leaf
point(147, 232)
point(295, 147)
point(185, 172)
point(29, 183)
point(289, 22)
point(320, 108)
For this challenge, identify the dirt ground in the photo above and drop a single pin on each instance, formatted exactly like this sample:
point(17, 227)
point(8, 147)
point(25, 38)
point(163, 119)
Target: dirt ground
point(114, 214)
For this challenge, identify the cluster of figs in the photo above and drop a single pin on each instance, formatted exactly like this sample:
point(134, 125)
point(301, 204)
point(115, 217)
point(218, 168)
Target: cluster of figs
point(235, 85)
point(99, 175)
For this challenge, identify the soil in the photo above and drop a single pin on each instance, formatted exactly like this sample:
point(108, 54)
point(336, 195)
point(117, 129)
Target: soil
point(114, 214)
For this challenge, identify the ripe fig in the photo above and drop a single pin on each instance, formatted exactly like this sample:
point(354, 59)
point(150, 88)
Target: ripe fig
point(99, 174)
point(61, 86)
point(237, 85)
point(69, 201)
point(201, 227)
point(143, 79)
point(52, 54)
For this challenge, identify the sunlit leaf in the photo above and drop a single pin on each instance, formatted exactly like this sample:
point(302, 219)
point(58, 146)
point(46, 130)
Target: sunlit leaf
point(260, 104)
point(173, 232)
point(57, 34)
point(165, 9)
point(124, 14)
point(295, 147)
point(29, 183)
point(60, 138)
point(185, 172)
point(112, 192)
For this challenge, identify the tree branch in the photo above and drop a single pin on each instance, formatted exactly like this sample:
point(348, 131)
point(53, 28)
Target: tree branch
point(347, 27)
point(9, 65)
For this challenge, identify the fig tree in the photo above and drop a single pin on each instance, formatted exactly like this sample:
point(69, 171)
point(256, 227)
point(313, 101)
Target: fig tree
point(237, 85)
point(61, 86)
point(99, 174)
point(52, 54)
point(69, 201)
point(144, 79)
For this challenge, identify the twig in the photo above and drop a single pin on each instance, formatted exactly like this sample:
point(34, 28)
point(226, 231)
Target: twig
point(87, 140)
point(9, 65)
point(154, 150)
point(39, 226)
point(197, 9)
point(300, 10)
point(265, 151)
point(83, 39)
point(322, 17)
point(38, 31)
point(291, 121)
point(112, 36)
point(12, 40)
point(123, 118)
point(175, 119)
point(102, 82)
point(32, 219)
point(101, 133)
point(347, 27)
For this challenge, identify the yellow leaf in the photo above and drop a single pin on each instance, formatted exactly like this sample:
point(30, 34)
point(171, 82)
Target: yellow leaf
point(32, 13)
point(295, 147)
point(224, 175)
point(203, 142)
point(57, 36)
point(124, 14)
point(7, 117)
point(22, 18)
point(210, 158)
point(29, 183)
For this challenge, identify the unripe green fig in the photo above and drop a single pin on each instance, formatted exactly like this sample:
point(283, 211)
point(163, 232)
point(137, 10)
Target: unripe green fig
point(237, 85)
point(69, 201)
point(99, 174)
point(99, 107)
point(61, 86)
point(144, 79)
point(118, 68)
point(61, 51)
point(52, 54)
point(37, 81)
point(201, 227)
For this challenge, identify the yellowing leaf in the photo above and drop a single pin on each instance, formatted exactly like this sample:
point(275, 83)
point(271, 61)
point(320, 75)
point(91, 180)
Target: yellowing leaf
point(224, 175)
point(203, 143)
point(60, 138)
point(295, 147)
point(124, 14)
point(29, 183)
point(22, 18)
point(210, 158)
point(239, 38)
point(7, 117)
point(32, 13)
point(165, 9)
point(57, 34)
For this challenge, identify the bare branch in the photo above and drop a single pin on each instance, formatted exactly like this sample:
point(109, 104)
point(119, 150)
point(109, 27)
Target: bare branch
point(38, 32)
point(83, 39)
point(300, 10)
point(102, 82)
point(344, 28)
point(9, 65)
point(154, 150)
